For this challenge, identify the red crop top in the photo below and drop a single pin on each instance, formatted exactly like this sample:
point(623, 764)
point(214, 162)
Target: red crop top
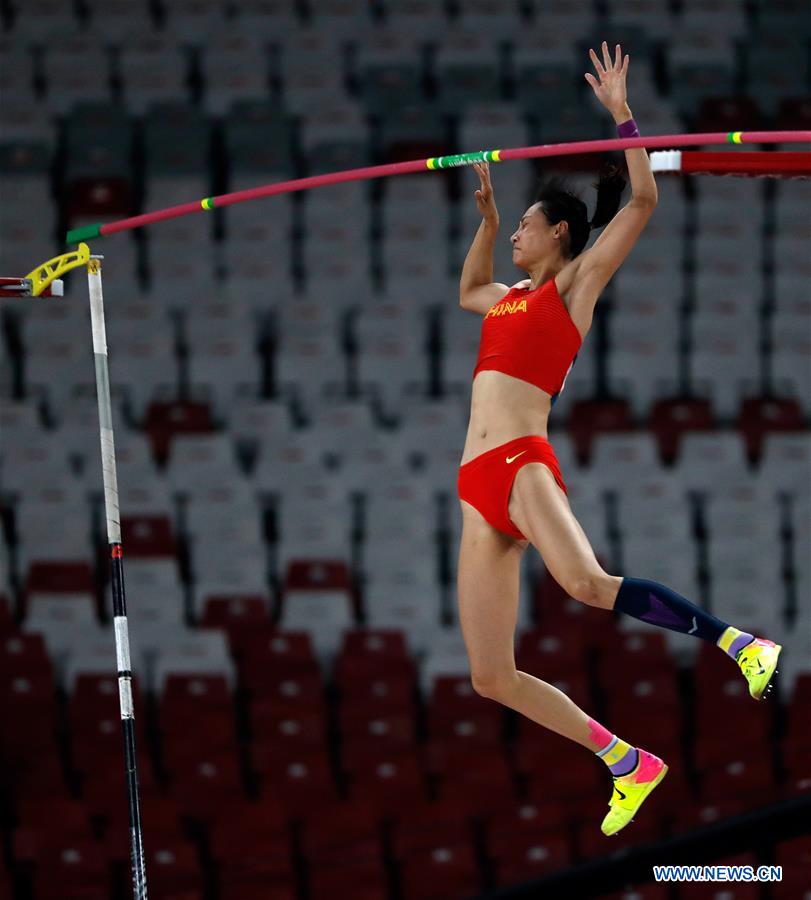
point(530, 335)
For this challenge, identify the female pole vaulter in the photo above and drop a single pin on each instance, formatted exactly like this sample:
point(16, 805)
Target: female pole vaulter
point(510, 486)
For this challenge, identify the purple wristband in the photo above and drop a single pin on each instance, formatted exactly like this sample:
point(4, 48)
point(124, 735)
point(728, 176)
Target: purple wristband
point(627, 129)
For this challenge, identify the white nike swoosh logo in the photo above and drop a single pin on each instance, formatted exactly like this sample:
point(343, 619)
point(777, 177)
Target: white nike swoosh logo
point(513, 458)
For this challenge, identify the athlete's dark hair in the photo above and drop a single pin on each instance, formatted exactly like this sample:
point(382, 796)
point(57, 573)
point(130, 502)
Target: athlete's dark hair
point(560, 203)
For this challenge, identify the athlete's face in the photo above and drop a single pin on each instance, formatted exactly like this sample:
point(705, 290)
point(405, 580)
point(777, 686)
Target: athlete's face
point(535, 239)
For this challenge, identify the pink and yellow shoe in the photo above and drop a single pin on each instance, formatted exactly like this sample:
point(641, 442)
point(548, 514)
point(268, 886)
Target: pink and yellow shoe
point(631, 790)
point(758, 662)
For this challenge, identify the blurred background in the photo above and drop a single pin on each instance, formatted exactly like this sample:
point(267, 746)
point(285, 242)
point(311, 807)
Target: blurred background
point(291, 383)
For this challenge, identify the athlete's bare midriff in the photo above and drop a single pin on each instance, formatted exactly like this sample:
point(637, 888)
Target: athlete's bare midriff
point(503, 408)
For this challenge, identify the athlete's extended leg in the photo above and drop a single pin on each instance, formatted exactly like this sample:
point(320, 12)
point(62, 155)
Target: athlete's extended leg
point(488, 590)
point(541, 511)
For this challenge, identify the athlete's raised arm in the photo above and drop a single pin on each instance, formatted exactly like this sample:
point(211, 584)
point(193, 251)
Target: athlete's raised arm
point(602, 260)
point(477, 290)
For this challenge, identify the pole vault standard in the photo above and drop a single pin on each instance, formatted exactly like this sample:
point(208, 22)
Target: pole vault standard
point(44, 282)
point(439, 162)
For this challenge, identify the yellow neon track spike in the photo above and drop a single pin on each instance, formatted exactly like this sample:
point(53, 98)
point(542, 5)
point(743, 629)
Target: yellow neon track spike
point(49, 271)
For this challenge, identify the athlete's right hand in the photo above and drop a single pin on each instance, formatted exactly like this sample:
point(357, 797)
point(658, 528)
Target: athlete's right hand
point(484, 196)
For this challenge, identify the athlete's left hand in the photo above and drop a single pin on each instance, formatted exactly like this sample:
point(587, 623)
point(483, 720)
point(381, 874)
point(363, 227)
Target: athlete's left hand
point(610, 89)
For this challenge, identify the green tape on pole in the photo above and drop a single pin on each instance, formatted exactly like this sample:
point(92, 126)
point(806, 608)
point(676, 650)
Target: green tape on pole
point(461, 159)
point(86, 233)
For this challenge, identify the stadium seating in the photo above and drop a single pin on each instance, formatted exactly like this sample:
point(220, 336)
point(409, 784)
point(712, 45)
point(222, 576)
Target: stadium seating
point(290, 385)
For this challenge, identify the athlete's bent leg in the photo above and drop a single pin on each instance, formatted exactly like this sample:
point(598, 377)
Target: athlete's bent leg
point(541, 511)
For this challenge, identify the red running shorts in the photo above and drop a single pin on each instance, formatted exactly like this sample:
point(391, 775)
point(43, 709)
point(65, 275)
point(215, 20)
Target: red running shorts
point(486, 481)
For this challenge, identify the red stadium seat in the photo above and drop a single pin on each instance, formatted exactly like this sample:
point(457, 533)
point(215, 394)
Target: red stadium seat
point(653, 692)
point(638, 652)
point(388, 782)
point(148, 536)
point(202, 782)
point(389, 694)
point(159, 814)
point(257, 888)
point(420, 823)
point(672, 417)
point(289, 693)
point(269, 654)
point(60, 577)
point(794, 853)
point(454, 693)
point(172, 867)
point(97, 742)
point(522, 817)
point(469, 766)
point(797, 758)
point(352, 676)
point(245, 848)
point(330, 575)
point(733, 696)
point(212, 731)
point(35, 773)
point(296, 782)
point(439, 871)
point(382, 645)
point(761, 415)
point(476, 799)
point(235, 613)
point(479, 779)
point(550, 654)
point(27, 698)
point(71, 867)
point(195, 693)
point(794, 112)
point(24, 654)
point(378, 729)
point(100, 197)
point(285, 728)
point(713, 751)
point(484, 727)
point(588, 418)
point(343, 833)
point(45, 825)
point(750, 777)
point(364, 881)
point(96, 697)
point(103, 782)
point(524, 856)
point(163, 420)
point(696, 815)
point(576, 775)
point(647, 726)
point(733, 113)
point(577, 622)
point(540, 750)
point(794, 886)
